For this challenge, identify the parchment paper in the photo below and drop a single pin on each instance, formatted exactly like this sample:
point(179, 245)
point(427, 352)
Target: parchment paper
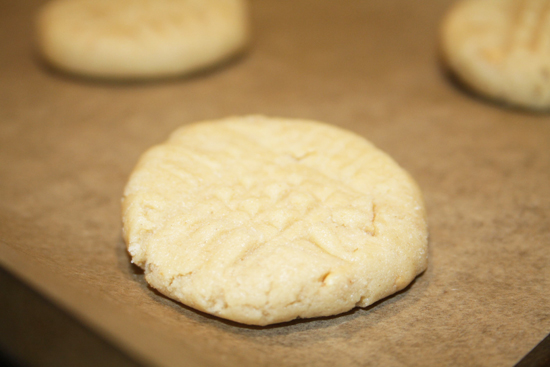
point(67, 146)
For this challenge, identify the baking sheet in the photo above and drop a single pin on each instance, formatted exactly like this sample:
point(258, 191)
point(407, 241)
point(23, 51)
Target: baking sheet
point(67, 146)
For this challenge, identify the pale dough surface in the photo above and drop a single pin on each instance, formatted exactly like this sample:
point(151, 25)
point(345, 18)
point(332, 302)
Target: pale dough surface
point(501, 49)
point(262, 220)
point(137, 39)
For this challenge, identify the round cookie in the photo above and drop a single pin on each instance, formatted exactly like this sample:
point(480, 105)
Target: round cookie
point(501, 49)
point(140, 39)
point(263, 220)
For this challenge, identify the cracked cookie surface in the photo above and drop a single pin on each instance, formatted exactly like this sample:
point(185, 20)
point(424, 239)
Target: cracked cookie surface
point(262, 220)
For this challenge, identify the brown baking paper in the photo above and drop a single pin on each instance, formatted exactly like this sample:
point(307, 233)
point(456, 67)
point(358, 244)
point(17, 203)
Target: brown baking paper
point(67, 146)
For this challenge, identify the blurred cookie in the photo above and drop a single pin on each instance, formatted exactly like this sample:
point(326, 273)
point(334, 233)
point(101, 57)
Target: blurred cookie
point(263, 220)
point(501, 49)
point(139, 39)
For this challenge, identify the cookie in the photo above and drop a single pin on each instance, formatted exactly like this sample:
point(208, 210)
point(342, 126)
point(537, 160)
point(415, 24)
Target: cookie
point(501, 49)
point(263, 220)
point(140, 39)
